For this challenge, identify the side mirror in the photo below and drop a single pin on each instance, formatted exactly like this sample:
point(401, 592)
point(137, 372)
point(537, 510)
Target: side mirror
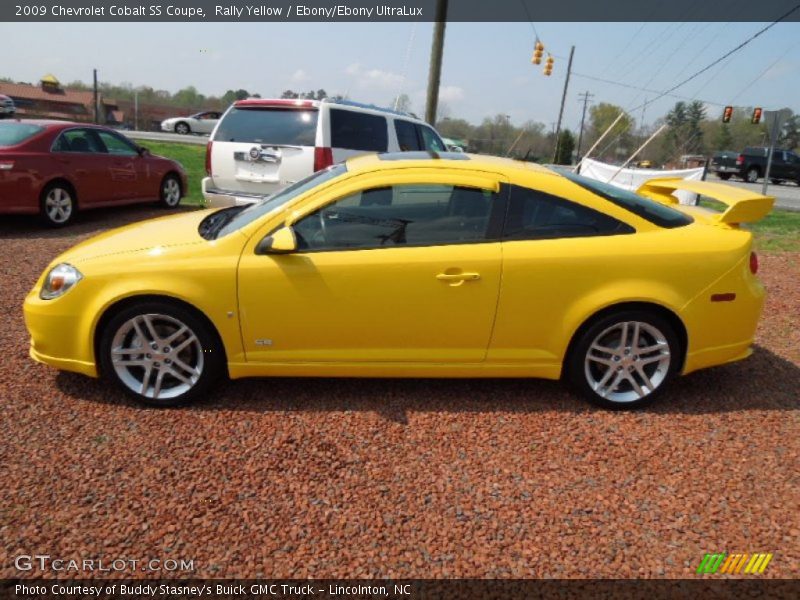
point(282, 241)
point(142, 151)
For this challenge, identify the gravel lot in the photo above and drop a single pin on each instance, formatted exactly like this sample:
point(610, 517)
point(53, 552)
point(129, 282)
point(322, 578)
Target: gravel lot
point(395, 478)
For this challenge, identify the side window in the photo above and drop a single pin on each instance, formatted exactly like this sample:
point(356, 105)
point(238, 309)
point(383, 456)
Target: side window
point(116, 145)
point(406, 136)
point(358, 131)
point(430, 140)
point(534, 215)
point(401, 215)
point(78, 140)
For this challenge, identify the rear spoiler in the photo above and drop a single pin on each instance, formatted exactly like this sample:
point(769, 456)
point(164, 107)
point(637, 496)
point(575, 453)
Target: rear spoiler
point(744, 206)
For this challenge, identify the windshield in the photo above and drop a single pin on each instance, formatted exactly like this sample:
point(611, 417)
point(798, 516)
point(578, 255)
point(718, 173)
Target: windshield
point(652, 211)
point(270, 203)
point(12, 134)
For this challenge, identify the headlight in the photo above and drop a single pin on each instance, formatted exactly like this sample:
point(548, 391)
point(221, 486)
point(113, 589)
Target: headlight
point(61, 279)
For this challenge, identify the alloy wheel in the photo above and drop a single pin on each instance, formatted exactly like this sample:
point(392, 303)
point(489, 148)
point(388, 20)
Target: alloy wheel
point(58, 205)
point(627, 361)
point(171, 192)
point(157, 356)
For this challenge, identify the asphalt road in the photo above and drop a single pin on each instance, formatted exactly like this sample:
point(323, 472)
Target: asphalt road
point(163, 136)
point(787, 195)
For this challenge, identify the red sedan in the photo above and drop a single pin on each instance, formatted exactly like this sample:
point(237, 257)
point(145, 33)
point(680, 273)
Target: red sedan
point(55, 168)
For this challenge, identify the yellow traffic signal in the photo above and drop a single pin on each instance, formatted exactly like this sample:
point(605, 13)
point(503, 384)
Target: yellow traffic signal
point(548, 65)
point(756, 116)
point(538, 51)
point(727, 113)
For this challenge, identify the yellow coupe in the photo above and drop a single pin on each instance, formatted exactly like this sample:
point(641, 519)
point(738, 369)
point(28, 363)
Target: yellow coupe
point(414, 265)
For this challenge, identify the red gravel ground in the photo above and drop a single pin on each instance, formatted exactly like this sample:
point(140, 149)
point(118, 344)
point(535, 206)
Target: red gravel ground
point(396, 478)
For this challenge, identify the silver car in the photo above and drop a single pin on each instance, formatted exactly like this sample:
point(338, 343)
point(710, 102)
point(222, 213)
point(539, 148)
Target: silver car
point(203, 122)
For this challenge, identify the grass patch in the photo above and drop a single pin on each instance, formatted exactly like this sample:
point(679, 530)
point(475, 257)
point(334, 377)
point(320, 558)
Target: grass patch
point(191, 156)
point(779, 231)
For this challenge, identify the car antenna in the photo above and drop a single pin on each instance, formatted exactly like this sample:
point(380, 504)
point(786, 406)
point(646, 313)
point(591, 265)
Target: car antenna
point(527, 154)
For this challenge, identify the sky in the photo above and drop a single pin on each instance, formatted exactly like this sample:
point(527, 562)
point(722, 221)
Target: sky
point(486, 67)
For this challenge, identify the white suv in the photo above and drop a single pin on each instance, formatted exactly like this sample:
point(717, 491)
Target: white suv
point(261, 146)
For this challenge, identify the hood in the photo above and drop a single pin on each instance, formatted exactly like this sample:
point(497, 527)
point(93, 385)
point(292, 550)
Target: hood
point(154, 235)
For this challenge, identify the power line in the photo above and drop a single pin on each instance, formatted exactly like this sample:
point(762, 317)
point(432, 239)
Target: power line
point(726, 55)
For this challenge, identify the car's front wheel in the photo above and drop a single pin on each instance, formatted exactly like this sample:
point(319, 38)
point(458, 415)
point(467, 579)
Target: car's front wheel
point(182, 128)
point(624, 360)
point(170, 194)
point(162, 354)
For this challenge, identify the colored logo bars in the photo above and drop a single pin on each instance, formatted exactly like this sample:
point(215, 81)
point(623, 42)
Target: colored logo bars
point(734, 563)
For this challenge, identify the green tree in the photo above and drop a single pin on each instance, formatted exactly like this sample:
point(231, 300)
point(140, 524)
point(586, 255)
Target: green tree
point(790, 135)
point(724, 138)
point(566, 146)
point(619, 141)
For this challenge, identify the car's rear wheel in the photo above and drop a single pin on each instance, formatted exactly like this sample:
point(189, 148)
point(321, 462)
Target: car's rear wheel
point(162, 354)
point(182, 128)
point(170, 191)
point(57, 204)
point(752, 175)
point(625, 359)
point(724, 176)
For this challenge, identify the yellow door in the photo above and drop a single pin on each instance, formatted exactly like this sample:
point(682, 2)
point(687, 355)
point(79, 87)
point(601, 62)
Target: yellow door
point(396, 273)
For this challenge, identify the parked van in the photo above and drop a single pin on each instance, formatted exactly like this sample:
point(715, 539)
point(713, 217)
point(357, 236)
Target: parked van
point(261, 146)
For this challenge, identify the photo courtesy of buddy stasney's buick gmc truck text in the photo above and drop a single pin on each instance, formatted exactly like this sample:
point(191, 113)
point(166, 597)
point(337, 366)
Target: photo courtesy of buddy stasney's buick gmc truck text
point(149, 590)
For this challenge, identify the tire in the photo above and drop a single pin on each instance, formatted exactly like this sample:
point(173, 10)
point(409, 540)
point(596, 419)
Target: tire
point(170, 191)
point(724, 176)
point(183, 128)
point(752, 175)
point(57, 204)
point(609, 374)
point(776, 181)
point(160, 353)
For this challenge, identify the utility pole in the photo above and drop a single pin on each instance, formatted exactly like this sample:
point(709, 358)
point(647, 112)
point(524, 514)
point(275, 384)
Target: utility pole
point(435, 69)
point(96, 108)
point(563, 100)
point(136, 110)
point(585, 96)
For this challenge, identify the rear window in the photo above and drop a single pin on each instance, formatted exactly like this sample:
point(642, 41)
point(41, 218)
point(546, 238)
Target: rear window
point(650, 210)
point(12, 134)
point(280, 126)
point(358, 131)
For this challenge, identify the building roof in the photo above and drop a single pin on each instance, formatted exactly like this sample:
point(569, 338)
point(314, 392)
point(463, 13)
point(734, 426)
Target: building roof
point(34, 92)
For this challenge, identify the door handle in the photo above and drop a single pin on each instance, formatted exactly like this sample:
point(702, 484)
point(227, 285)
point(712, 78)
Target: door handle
point(458, 276)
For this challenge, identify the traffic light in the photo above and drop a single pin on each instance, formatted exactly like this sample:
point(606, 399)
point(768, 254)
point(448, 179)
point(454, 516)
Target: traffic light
point(548, 65)
point(727, 114)
point(538, 50)
point(756, 116)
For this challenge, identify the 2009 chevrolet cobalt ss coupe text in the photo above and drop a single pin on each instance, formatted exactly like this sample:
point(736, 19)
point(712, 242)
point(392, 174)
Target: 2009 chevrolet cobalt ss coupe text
point(413, 265)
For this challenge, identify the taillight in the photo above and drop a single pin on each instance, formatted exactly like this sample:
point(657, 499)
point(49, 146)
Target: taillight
point(6, 165)
point(208, 158)
point(753, 263)
point(740, 159)
point(323, 158)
